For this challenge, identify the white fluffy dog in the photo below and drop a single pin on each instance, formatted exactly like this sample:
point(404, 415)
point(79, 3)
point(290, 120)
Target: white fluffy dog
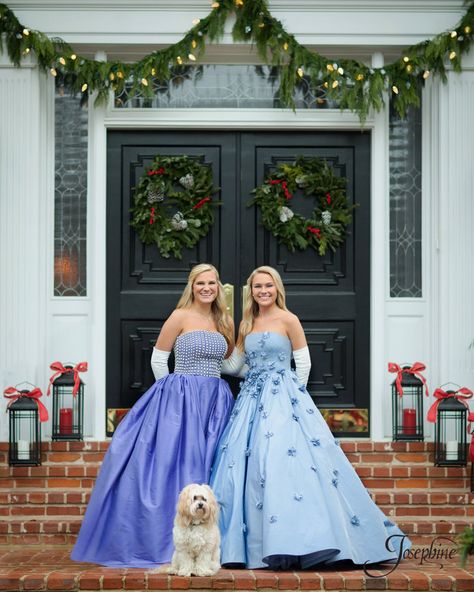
point(196, 535)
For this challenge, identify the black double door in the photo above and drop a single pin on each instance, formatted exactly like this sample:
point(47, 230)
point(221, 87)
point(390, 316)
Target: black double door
point(329, 294)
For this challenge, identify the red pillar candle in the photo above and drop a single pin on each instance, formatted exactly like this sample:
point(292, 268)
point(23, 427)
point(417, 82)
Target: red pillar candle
point(65, 421)
point(409, 422)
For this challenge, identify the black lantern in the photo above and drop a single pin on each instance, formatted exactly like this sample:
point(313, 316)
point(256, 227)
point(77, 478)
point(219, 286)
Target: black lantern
point(24, 437)
point(68, 405)
point(407, 406)
point(450, 440)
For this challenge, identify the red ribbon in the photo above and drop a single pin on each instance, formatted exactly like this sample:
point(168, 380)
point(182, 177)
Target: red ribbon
point(315, 231)
point(60, 369)
point(284, 186)
point(470, 418)
point(152, 216)
point(13, 394)
point(416, 370)
point(460, 395)
point(201, 203)
point(328, 198)
point(160, 171)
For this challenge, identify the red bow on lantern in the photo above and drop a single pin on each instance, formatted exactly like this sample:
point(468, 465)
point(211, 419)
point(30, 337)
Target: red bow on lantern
point(416, 370)
point(461, 395)
point(14, 394)
point(60, 369)
point(470, 419)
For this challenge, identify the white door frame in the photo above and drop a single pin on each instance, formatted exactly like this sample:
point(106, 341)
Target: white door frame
point(104, 119)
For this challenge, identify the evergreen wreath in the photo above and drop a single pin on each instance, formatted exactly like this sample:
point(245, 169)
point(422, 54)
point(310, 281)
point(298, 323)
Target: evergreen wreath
point(173, 207)
point(327, 226)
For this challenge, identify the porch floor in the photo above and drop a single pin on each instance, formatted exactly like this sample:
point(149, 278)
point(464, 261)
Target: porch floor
point(49, 568)
point(41, 509)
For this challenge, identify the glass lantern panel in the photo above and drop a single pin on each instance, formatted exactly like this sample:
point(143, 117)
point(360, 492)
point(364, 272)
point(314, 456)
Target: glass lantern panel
point(24, 437)
point(67, 413)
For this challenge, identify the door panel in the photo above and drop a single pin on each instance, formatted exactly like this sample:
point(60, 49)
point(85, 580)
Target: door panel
point(143, 287)
point(330, 294)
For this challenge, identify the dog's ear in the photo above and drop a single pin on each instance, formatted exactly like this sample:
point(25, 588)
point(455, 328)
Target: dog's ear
point(213, 505)
point(183, 515)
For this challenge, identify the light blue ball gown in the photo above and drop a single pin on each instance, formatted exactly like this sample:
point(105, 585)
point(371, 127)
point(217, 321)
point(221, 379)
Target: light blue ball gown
point(288, 495)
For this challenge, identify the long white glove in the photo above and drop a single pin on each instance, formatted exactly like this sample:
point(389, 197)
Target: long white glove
point(302, 363)
point(235, 364)
point(159, 363)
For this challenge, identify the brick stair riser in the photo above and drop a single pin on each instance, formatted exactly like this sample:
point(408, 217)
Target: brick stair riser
point(45, 505)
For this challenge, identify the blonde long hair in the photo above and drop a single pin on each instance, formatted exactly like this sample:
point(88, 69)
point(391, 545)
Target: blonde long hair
point(218, 307)
point(250, 307)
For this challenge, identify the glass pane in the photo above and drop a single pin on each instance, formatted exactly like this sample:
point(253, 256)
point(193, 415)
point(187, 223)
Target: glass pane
point(405, 204)
point(70, 197)
point(225, 86)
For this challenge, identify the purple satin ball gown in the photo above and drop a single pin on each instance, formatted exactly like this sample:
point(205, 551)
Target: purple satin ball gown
point(166, 441)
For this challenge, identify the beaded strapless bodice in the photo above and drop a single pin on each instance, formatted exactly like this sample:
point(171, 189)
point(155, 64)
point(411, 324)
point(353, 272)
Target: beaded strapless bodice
point(199, 352)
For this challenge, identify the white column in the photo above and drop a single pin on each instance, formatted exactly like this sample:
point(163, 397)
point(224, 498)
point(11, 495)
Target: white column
point(23, 228)
point(96, 249)
point(378, 262)
point(453, 249)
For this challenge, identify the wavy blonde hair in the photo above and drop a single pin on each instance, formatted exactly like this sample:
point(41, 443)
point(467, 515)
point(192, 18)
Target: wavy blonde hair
point(218, 307)
point(250, 307)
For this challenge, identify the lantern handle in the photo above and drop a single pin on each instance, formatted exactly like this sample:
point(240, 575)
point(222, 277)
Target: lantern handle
point(25, 382)
point(442, 386)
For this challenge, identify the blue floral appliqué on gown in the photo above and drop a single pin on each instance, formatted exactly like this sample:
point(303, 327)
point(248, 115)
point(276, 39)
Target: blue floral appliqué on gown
point(166, 441)
point(287, 493)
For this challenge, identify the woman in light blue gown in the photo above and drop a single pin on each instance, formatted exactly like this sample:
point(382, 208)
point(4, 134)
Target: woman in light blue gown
point(168, 439)
point(288, 495)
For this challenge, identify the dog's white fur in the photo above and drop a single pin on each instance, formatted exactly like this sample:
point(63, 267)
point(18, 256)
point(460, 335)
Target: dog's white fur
point(196, 535)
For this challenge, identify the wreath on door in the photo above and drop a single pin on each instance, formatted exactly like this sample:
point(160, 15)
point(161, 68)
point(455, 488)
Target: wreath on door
point(326, 228)
point(173, 205)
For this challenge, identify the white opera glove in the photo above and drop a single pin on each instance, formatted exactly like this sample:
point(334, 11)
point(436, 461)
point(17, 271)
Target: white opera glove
point(159, 363)
point(235, 364)
point(302, 363)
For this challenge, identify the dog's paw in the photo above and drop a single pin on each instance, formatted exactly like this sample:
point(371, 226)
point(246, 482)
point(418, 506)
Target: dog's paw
point(208, 571)
point(183, 572)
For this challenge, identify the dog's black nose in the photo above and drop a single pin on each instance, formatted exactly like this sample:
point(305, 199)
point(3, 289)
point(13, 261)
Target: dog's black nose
point(200, 505)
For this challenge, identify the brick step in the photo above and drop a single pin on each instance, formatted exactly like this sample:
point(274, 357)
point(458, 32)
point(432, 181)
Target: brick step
point(81, 468)
point(70, 523)
point(51, 569)
point(449, 496)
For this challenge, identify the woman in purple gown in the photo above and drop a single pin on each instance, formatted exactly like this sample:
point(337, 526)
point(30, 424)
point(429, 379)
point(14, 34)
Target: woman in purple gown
point(167, 440)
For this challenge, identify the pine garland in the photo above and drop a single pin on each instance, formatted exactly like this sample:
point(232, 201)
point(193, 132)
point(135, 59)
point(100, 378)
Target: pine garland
point(172, 204)
point(327, 226)
point(352, 84)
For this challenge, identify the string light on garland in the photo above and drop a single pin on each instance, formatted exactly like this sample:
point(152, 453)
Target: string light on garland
point(84, 87)
point(253, 23)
